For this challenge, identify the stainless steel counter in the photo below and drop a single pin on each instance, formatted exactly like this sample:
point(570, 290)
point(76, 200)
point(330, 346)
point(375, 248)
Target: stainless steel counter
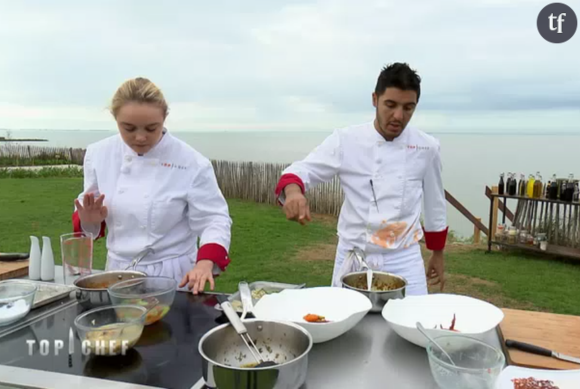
point(369, 356)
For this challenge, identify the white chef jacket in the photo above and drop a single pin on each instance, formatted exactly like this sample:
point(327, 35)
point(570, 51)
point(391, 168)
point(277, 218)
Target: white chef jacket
point(404, 172)
point(165, 200)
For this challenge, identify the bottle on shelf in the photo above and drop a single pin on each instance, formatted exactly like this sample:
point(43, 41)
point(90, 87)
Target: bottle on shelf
point(576, 192)
point(538, 186)
point(570, 188)
point(562, 194)
point(553, 189)
point(530, 187)
point(522, 186)
point(513, 186)
point(501, 185)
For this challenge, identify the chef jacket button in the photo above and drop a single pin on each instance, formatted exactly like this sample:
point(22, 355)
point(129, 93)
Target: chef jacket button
point(121, 190)
point(379, 160)
point(146, 196)
point(118, 224)
point(128, 158)
point(143, 227)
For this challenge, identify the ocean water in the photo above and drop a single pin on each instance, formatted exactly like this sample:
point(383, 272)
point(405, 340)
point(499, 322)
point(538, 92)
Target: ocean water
point(470, 161)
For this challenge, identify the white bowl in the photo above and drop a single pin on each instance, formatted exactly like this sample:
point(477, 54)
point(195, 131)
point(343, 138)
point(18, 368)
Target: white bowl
point(474, 317)
point(344, 308)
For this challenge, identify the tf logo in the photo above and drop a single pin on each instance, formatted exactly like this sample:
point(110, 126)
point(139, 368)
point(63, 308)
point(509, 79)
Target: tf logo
point(557, 23)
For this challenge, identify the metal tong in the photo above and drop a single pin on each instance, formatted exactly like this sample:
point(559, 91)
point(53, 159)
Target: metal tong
point(241, 329)
point(139, 257)
point(360, 257)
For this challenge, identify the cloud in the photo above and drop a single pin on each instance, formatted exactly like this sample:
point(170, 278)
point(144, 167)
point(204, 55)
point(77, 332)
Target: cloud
point(292, 64)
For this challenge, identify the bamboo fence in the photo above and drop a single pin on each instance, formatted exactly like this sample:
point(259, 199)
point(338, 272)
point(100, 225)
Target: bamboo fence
point(253, 181)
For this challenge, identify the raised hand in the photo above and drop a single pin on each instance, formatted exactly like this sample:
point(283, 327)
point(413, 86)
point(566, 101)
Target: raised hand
point(92, 212)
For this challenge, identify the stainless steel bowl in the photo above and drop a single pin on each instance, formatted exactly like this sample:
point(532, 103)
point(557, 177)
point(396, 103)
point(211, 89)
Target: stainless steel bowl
point(378, 298)
point(91, 290)
point(225, 356)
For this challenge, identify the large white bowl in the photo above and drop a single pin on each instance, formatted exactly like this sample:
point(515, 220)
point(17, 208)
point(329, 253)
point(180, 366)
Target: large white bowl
point(344, 308)
point(474, 317)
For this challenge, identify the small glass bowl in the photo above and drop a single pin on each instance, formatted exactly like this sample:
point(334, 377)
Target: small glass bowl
point(16, 299)
point(478, 365)
point(156, 294)
point(110, 330)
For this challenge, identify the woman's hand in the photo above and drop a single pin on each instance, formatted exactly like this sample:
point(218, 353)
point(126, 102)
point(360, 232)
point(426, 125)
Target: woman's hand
point(198, 276)
point(92, 212)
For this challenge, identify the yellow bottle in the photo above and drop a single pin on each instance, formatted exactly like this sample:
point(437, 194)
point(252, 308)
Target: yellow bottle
point(530, 188)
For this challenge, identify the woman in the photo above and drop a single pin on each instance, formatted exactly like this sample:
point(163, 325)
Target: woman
point(155, 194)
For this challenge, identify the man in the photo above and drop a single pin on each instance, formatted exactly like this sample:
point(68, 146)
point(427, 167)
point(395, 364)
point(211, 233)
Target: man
point(385, 169)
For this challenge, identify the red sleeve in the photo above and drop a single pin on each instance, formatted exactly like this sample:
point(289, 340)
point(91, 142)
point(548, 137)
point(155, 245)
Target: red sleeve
point(77, 225)
point(215, 253)
point(286, 180)
point(435, 240)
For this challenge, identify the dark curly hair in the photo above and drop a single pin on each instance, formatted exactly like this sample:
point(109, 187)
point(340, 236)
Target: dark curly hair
point(398, 75)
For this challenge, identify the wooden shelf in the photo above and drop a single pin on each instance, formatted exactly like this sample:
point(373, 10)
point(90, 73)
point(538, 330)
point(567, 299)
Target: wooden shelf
point(551, 249)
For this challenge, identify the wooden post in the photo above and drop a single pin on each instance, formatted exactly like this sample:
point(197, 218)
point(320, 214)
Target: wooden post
point(493, 227)
point(476, 233)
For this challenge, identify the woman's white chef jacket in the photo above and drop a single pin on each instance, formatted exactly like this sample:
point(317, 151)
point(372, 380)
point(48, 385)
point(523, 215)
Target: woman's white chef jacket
point(164, 200)
point(403, 172)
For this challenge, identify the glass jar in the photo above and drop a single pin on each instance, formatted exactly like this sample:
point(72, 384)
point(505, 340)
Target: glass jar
point(512, 235)
point(523, 236)
point(500, 233)
point(542, 240)
point(530, 240)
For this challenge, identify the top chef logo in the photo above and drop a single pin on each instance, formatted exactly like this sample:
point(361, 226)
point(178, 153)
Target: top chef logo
point(172, 165)
point(415, 147)
point(95, 346)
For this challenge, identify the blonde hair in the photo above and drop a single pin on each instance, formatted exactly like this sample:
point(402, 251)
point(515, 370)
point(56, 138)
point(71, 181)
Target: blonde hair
point(140, 90)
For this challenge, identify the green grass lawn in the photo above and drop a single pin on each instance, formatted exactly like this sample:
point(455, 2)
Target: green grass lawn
point(265, 246)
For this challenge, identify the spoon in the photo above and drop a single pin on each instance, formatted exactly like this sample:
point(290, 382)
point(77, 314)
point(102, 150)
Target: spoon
point(422, 330)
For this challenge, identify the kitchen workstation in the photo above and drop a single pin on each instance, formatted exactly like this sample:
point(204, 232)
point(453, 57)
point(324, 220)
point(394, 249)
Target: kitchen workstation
point(72, 326)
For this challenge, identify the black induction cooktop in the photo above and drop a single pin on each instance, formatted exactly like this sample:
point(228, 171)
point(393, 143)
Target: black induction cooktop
point(166, 355)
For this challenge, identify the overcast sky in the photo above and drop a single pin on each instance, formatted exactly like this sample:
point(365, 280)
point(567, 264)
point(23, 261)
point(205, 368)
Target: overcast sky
point(286, 65)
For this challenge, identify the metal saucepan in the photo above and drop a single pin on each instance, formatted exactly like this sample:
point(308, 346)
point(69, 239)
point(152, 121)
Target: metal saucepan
point(91, 290)
point(227, 362)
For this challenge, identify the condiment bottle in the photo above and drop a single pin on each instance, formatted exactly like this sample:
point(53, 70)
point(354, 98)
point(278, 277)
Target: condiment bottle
point(513, 185)
point(553, 190)
point(501, 185)
point(34, 259)
point(522, 187)
point(47, 261)
point(530, 188)
point(570, 188)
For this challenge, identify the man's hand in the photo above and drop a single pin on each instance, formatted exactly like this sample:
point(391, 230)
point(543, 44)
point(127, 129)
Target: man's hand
point(436, 269)
point(296, 206)
point(198, 276)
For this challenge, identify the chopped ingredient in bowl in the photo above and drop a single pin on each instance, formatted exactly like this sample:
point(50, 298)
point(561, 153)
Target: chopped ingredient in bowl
point(451, 328)
point(378, 285)
point(155, 314)
point(532, 383)
point(311, 318)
